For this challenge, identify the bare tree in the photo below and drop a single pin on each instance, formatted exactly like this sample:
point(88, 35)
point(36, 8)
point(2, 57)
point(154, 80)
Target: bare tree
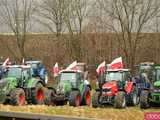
point(128, 18)
point(17, 15)
point(52, 15)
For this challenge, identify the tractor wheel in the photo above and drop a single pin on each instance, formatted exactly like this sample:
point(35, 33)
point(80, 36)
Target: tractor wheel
point(17, 97)
point(95, 99)
point(49, 95)
point(134, 99)
point(120, 100)
point(86, 97)
point(38, 94)
point(144, 103)
point(75, 98)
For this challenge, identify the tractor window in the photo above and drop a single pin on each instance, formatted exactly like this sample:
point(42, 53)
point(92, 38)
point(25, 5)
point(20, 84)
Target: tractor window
point(114, 76)
point(14, 72)
point(68, 77)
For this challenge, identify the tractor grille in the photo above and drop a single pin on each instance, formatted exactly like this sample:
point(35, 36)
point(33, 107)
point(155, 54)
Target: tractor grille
point(106, 90)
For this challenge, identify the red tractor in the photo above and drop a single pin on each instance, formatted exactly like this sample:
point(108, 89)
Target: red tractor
point(116, 88)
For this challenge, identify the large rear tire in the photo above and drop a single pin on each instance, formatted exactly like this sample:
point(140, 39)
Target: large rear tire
point(120, 100)
point(144, 96)
point(17, 97)
point(49, 96)
point(95, 99)
point(38, 94)
point(75, 98)
point(134, 99)
point(86, 97)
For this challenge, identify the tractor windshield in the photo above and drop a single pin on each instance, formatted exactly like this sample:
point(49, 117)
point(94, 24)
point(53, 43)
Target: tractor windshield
point(68, 77)
point(14, 72)
point(114, 76)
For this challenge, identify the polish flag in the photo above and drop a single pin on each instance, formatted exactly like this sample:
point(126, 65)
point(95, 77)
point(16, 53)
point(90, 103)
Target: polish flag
point(55, 70)
point(72, 66)
point(116, 63)
point(101, 68)
point(6, 62)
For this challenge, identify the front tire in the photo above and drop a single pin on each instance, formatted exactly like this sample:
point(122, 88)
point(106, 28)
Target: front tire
point(144, 103)
point(120, 101)
point(86, 97)
point(75, 98)
point(17, 97)
point(38, 94)
point(49, 96)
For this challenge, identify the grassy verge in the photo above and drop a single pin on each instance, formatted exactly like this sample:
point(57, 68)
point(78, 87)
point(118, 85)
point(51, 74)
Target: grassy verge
point(108, 113)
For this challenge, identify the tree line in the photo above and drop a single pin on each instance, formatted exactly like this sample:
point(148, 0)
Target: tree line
point(85, 30)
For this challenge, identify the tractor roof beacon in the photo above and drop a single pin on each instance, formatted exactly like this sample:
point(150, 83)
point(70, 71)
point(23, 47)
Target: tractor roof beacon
point(71, 87)
point(116, 88)
point(149, 85)
point(19, 86)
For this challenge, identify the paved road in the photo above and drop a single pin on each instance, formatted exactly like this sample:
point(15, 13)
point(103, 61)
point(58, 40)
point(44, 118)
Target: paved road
point(30, 116)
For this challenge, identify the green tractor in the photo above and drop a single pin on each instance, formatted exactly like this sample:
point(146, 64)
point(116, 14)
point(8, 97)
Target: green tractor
point(19, 86)
point(150, 86)
point(73, 87)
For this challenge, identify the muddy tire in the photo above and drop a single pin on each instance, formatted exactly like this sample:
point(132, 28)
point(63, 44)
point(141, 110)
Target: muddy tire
point(38, 94)
point(134, 99)
point(86, 97)
point(120, 101)
point(95, 99)
point(75, 98)
point(144, 103)
point(49, 96)
point(17, 97)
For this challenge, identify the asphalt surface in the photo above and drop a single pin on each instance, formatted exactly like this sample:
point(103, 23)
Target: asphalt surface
point(4, 115)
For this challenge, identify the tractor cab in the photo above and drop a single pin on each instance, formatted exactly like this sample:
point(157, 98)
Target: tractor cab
point(20, 73)
point(69, 80)
point(156, 77)
point(38, 70)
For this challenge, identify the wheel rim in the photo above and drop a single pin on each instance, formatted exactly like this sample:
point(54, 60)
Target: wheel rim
point(88, 98)
point(40, 95)
point(21, 99)
point(77, 100)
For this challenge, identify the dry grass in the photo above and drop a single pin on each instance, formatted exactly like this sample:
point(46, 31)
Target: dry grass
point(108, 113)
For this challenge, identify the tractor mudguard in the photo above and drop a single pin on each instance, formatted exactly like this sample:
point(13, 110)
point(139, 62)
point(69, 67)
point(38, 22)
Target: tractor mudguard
point(128, 86)
point(32, 82)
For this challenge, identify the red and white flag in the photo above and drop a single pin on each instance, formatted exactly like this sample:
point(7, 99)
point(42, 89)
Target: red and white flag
point(101, 68)
point(116, 63)
point(6, 62)
point(55, 70)
point(72, 66)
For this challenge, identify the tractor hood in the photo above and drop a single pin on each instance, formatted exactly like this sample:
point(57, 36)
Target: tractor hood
point(64, 87)
point(109, 88)
point(109, 85)
point(157, 84)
